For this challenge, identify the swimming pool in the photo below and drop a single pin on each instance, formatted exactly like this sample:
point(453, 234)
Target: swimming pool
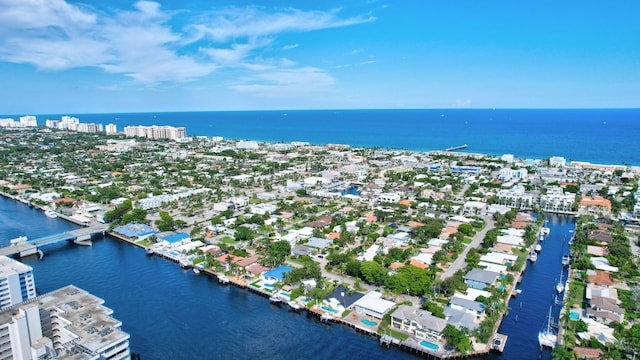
point(574, 316)
point(429, 345)
point(329, 309)
point(268, 285)
point(368, 322)
point(284, 294)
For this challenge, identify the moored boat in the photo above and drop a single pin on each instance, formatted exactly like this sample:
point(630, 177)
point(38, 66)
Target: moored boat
point(294, 305)
point(196, 271)
point(51, 213)
point(538, 247)
point(565, 260)
point(547, 337)
point(275, 299)
point(533, 257)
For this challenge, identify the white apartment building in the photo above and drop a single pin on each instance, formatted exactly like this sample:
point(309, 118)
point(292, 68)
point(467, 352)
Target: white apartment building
point(111, 129)
point(508, 174)
point(28, 121)
point(68, 323)
point(16, 282)
point(389, 198)
point(156, 132)
point(89, 128)
point(555, 200)
point(516, 197)
point(557, 161)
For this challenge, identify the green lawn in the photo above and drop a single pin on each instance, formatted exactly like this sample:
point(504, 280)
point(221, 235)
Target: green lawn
point(393, 333)
point(145, 243)
point(229, 240)
point(576, 291)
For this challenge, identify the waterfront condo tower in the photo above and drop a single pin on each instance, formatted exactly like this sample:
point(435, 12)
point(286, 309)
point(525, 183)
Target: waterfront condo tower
point(16, 282)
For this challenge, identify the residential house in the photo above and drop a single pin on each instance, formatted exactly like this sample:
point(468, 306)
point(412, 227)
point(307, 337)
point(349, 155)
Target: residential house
point(418, 322)
point(276, 274)
point(480, 278)
point(175, 240)
point(372, 304)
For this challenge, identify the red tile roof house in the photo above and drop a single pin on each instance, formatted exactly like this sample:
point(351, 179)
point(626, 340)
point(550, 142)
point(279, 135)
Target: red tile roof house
point(588, 353)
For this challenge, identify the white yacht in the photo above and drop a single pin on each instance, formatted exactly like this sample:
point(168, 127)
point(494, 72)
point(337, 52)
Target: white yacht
point(547, 336)
point(51, 213)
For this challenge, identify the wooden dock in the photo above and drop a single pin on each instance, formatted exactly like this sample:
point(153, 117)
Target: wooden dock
point(503, 342)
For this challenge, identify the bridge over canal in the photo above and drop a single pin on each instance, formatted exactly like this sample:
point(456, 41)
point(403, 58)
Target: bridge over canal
point(23, 246)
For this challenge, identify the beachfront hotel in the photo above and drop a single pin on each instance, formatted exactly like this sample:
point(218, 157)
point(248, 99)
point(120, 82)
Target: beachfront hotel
point(68, 323)
point(16, 282)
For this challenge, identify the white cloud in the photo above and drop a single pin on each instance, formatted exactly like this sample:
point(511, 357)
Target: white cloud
point(146, 44)
point(253, 22)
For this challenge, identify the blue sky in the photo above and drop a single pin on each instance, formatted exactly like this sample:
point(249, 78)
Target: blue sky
point(61, 56)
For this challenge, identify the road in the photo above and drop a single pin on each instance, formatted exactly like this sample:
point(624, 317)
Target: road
point(460, 263)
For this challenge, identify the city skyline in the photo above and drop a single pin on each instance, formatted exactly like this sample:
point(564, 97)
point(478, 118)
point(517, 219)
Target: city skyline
point(124, 56)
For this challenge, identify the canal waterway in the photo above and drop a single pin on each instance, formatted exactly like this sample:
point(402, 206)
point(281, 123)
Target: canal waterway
point(530, 309)
point(172, 313)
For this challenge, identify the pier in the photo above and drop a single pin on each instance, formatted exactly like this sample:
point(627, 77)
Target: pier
point(23, 247)
point(459, 147)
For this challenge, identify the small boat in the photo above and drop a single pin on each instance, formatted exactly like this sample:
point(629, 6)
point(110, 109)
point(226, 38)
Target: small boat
point(149, 251)
point(51, 213)
point(185, 264)
point(196, 271)
point(565, 260)
point(547, 337)
point(560, 285)
point(516, 292)
point(275, 299)
point(223, 279)
point(294, 305)
point(533, 257)
point(326, 318)
point(538, 247)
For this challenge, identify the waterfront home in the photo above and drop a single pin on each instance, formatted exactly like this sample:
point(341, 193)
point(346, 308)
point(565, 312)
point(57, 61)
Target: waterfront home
point(588, 353)
point(246, 262)
point(599, 277)
point(480, 278)
point(470, 306)
point(460, 318)
point(342, 297)
point(601, 263)
point(600, 236)
point(276, 274)
point(373, 304)
point(418, 322)
point(605, 310)
point(175, 240)
point(135, 231)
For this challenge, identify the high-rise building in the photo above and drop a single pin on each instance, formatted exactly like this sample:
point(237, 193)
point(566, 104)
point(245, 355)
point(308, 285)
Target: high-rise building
point(111, 129)
point(68, 323)
point(16, 282)
point(156, 132)
point(28, 121)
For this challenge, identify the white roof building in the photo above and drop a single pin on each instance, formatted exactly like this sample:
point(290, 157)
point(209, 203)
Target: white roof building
point(373, 304)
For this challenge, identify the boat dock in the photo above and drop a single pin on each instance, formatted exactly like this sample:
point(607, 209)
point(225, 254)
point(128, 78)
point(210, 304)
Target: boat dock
point(499, 342)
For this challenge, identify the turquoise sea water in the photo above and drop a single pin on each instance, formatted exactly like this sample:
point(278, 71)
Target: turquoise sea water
point(595, 135)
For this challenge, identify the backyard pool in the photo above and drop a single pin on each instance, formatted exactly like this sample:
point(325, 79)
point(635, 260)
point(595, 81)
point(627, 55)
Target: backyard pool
point(429, 345)
point(326, 308)
point(368, 322)
point(574, 316)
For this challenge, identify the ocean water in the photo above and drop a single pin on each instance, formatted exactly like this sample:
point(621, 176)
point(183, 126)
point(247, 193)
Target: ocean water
point(595, 135)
